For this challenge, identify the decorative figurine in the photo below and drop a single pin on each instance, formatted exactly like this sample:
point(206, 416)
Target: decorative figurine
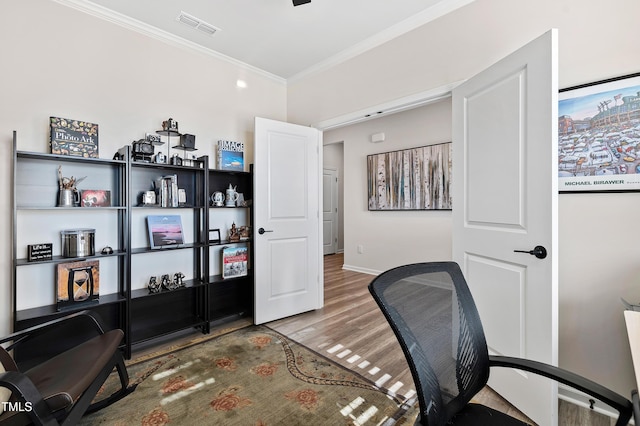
point(178, 279)
point(233, 233)
point(244, 232)
point(153, 286)
point(166, 282)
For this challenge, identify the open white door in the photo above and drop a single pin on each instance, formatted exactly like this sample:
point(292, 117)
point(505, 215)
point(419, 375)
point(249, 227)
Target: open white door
point(505, 199)
point(287, 224)
point(330, 211)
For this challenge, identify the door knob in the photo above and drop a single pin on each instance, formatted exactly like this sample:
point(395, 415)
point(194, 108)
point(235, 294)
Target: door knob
point(262, 231)
point(538, 251)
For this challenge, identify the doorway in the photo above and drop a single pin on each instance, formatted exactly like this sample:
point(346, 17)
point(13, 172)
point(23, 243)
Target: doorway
point(333, 159)
point(329, 211)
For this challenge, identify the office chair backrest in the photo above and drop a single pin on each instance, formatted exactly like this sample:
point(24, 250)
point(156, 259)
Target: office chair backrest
point(432, 313)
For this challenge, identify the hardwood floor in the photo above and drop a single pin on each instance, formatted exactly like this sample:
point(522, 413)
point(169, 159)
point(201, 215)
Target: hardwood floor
point(351, 330)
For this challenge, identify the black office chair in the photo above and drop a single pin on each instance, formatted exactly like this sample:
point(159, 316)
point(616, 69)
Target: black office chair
point(434, 317)
point(69, 360)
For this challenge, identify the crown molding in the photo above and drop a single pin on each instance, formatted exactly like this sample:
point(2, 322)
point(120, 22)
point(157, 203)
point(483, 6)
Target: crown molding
point(434, 12)
point(108, 15)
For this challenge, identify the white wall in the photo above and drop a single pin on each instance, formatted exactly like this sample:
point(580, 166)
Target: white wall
point(391, 238)
point(596, 41)
point(598, 258)
point(58, 61)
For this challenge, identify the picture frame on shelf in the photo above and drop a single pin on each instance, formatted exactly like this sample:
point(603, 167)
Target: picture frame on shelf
point(165, 231)
point(95, 198)
point(599, 136)
point(214, 235)
point(77, 283)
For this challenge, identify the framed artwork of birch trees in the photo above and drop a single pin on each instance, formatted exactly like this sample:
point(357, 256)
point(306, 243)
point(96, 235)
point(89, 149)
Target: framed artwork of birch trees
point(410, 179)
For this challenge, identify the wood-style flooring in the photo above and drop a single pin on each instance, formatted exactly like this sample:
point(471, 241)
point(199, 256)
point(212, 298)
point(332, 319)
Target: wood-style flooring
point(351, 330)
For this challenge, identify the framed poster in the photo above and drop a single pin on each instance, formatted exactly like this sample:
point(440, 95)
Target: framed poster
point(599, 136)
point(410, 179)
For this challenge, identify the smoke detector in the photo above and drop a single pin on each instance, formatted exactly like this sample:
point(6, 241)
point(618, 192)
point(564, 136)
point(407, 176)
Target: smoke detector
point(196, 23)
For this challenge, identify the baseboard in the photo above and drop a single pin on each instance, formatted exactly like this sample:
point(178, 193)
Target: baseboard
point(581, 399)
point(363, 270)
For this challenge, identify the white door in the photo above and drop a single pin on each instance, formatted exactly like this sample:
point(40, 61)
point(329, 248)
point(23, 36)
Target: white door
point(505, 199)
point(287, 228)
point(330, 211)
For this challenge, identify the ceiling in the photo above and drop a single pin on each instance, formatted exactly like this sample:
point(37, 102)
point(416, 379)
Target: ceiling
point(273, 36)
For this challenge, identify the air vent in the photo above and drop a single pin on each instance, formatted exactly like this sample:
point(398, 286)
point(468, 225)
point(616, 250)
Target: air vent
point(196, 23)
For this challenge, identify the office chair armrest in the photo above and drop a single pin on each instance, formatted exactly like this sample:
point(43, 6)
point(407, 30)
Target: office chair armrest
point(615, 400)
point(24, 392)
point(90, 319)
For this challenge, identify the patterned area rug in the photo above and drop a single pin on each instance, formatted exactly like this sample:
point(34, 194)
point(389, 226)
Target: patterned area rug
point(249, 377)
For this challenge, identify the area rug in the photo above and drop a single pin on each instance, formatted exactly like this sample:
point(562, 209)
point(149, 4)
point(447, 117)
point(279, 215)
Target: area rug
point(249, 377)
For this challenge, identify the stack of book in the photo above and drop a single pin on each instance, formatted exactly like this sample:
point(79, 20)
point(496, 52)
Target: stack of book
point(167, 191)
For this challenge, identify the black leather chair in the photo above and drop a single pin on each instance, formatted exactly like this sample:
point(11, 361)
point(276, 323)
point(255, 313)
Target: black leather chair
point(61, 378)
point(431, 311)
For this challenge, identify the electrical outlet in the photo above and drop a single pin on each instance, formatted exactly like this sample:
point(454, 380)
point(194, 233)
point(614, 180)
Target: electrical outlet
point(360, 249)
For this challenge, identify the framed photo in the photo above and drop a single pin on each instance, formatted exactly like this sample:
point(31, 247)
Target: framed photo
point(165, 231)
point(410, 179)
point(599, 136)
point(95, 198)
point(214, 235)
point(77, 283)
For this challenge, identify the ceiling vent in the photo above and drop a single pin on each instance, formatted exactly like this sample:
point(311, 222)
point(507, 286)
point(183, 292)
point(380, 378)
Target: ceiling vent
point(196, 23)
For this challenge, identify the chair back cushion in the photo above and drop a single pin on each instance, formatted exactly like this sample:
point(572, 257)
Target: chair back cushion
point(432, 313)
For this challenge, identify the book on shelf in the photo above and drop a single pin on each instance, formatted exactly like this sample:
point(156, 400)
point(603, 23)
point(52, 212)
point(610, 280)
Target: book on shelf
point(230, 155)
point(235, 261)
point(167, 191)
point(76, 138)
point(165, 231)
